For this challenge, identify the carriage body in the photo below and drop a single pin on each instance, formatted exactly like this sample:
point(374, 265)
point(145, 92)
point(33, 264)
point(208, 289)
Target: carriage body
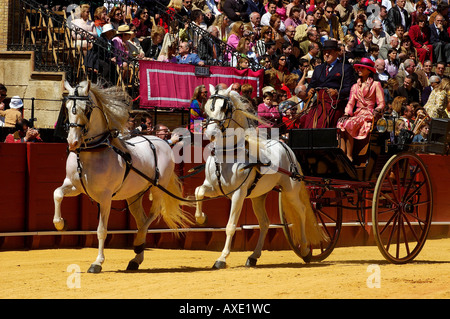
point(386, 177)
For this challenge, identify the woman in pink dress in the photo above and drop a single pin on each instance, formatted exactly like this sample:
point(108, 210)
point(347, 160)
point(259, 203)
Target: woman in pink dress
point(365, 94)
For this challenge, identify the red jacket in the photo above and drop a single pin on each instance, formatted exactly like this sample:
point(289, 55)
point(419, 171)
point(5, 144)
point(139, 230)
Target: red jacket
point(419, 38)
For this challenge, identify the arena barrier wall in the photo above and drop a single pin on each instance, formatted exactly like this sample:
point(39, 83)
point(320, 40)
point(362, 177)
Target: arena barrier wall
point(31, 172)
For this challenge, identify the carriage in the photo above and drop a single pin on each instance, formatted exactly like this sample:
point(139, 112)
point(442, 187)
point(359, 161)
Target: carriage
point(387, 177)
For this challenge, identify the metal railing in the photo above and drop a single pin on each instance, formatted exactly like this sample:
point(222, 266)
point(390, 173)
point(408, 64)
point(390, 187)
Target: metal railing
point(61, 46)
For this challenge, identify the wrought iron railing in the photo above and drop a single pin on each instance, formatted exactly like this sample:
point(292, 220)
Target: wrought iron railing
point(59, 46)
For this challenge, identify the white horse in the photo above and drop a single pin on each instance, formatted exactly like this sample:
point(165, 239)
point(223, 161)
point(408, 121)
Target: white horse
point(106, 167)
point(240, 179)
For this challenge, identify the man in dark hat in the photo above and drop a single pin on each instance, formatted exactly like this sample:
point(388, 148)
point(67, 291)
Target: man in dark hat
point(332, 81)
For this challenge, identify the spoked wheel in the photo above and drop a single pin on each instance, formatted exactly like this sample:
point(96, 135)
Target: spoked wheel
point(402, 208)
point(326, 206)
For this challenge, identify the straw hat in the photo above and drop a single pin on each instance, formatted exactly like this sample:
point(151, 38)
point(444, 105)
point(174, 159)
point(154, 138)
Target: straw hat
point(124, 29)
point(16, 102)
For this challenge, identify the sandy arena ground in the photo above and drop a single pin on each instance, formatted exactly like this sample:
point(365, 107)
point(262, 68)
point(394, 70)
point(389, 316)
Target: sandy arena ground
point(185, 274)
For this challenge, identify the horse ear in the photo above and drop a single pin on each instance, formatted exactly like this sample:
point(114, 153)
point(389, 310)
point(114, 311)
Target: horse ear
point(229, 89)
point(211, 89)
point(87, 88)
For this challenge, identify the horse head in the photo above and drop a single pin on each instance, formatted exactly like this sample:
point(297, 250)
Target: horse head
point(221, 112)
point(79, 109)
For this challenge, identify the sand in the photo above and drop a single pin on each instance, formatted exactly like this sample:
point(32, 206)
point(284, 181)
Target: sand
point(349, 272)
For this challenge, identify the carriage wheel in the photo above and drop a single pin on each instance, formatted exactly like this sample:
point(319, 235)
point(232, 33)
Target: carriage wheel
point(326, 206)
point(402, 208)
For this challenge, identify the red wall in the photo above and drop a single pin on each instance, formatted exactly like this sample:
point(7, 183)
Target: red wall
point(31, 172)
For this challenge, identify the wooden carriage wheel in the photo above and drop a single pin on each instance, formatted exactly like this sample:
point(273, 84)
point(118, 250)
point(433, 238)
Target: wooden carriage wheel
point(402, 208)
point(326, 206)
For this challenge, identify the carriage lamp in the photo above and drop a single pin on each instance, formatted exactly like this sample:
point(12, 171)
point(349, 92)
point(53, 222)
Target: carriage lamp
point(385, 124)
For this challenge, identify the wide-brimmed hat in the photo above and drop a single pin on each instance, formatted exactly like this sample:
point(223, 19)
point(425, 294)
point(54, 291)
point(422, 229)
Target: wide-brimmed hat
point(124, 29)
point(330, 45)
point(16, 102)
point(366, 63)
point(108, 27)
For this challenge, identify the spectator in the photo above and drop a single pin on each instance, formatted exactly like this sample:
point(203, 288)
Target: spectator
point(280, 69)
point(143, 23)
point(222, 22)
point(198, 18)
point(266, 37)
point(329, 25)
point(379, 37)
point(198, 101)
point(438, 100)
point(392, 63)
point(255, 22)
point(349, 45)
point(13, 115)
point(246, 93)
point(440, 40)
point(134, 46)
point(434, 82)
point(362, 49)
point(393, 44)
point(3, 95)
point(296, 3)
point(280, 9)
point(185, 57)
point(100, 58)
point(294, 18)
point(278, 27)
point(398, 105)
point(313, 36)
point(373, 52)
point(255, 6)
point(268, 112)
point(169, 49)
point(236, 10)
point(313, 51)
point(271, 9)
point(116, 17)
point(407, 90)
point(82, 22)
point(157, 37)
point(422, 135)
point(302, 29)
point(407, 50)
point(381, 74)
point(442, 9)
point(289, 38)
point(420, 37)
point(397, 15)
point(420, 10)
point(209, 49)
point(427, 71)
point(344, 11)
point(186, 9)
point(237, 31)
point(440, 70)
point(119, 42)
point(24, 134)
point(382, 17)
point(174, 7)
point(162, 131)
point(359, 30)
point(100, 19)
point(409, 69)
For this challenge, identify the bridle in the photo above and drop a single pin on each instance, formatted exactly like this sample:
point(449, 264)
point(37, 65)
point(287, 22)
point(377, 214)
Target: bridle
point(90, 106)
point(227, 107)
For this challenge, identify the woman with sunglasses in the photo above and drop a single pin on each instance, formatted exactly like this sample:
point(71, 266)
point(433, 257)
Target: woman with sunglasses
point(116, 17)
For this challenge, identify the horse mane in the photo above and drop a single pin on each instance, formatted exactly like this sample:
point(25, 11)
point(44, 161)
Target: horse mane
point(114, 103)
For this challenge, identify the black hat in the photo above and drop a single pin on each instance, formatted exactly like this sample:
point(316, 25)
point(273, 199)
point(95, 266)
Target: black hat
point(330, 45)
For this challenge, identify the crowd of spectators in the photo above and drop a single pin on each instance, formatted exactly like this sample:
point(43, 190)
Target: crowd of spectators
point(408, 41)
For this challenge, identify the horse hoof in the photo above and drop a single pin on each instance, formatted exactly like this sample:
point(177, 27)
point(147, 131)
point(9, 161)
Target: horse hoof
point(251, 262)
point(132, 265)
point(219, 265)
point(60, 224)
point(201, 221)
point(307, 259)
point(95, 269)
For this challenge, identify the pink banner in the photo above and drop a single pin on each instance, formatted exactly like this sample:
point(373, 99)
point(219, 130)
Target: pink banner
point(172, 85)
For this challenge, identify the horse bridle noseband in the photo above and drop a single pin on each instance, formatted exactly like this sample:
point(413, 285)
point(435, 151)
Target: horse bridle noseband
point(89, 107)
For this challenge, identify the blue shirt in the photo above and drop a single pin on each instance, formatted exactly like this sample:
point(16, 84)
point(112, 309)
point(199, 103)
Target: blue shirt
point(191, 58)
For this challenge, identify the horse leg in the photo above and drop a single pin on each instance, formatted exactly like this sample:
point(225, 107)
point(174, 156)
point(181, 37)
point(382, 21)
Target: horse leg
point(200, 193)
point(259, 209)
point(236, 207)
point(67, 189)
point(102, 232)
point(142, 222)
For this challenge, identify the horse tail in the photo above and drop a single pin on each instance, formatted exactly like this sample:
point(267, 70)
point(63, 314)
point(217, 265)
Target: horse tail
point(169, 207)
point(300, 212)
point(314, 232)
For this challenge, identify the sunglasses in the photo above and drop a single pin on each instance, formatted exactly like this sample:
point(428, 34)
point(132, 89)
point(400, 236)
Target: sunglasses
point(3, 95)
